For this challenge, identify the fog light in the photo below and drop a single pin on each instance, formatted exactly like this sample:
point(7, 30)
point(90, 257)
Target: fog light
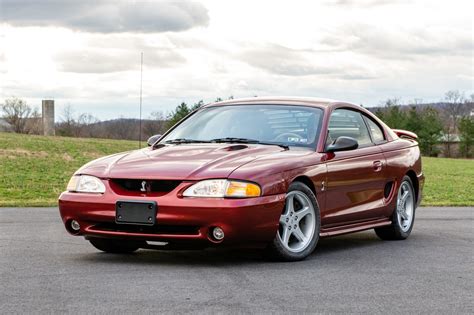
point(218, 233)
point(75, 225)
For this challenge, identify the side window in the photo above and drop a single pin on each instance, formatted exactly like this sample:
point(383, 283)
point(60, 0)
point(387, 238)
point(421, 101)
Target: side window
point(348, 123)
point(375, 130)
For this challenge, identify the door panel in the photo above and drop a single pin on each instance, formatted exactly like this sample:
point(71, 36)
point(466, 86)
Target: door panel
point(355, 186)
point(356, 178)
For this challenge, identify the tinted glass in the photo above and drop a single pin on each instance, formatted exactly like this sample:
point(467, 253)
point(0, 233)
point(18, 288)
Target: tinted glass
point(375, 130)
point(348, 123)
point(289, 125)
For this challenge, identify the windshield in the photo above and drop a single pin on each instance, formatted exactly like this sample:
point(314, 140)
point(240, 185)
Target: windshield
point(279, 124)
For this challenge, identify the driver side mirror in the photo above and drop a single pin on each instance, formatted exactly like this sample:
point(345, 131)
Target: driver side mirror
point(153, 139)
point(343, 144)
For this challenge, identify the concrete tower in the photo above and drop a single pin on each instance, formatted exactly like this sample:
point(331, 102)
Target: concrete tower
point(48, 117)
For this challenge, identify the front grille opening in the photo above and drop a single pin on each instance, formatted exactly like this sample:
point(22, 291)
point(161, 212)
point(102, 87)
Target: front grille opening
point(156, 229)
point(143, 185)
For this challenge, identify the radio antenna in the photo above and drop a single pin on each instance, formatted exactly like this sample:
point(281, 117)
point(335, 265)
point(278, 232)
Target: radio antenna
point(141, 85)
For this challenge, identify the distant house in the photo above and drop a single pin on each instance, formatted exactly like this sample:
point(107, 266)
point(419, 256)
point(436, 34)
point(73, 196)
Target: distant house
point(449, 146)
point(4, 126)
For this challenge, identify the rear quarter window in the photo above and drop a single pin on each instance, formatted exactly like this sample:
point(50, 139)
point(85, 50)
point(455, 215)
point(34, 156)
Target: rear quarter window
point(375, 130)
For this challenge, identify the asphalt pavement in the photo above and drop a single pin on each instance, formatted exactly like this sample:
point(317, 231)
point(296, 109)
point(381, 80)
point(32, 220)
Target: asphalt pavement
point(45, 270)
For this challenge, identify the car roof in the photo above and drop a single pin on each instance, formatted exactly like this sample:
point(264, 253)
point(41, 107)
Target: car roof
point(281, 100)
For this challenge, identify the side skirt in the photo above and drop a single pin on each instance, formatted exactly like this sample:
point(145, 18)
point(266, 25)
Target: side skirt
point(354, 227)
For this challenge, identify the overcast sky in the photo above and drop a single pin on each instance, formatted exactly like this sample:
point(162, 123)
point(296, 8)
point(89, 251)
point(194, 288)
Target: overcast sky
point(86, 53)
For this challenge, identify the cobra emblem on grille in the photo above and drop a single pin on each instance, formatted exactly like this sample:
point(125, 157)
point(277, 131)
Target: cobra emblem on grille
point(144, 186)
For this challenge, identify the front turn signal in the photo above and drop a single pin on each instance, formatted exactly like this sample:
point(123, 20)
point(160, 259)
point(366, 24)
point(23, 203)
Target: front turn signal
point(242, 189)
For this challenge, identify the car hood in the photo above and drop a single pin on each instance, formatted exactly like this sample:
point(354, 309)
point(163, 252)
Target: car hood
point(183, 161)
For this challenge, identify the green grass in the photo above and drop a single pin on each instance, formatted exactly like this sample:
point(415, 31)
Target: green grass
point(34, 170)
point(448, 182)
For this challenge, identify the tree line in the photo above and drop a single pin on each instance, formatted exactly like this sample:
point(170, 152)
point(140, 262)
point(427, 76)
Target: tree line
point(20, 117)
point(446, 126)
point(440, 127)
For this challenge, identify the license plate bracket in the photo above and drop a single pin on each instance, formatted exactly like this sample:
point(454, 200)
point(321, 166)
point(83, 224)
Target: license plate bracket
point(136, 212)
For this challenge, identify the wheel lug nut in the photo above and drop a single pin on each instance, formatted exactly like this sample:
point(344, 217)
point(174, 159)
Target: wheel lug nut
point(289, 228)
point(287, 219)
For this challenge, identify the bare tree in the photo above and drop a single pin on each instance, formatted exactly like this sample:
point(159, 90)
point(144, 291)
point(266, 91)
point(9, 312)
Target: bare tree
point(470, 106)
point(68, 125)
point(453, 110)
point(391, 102)
point(86, 122)
point(123, 128)
point(34, 123)
point(16, 113)
point(68, 114)
point(155, 124)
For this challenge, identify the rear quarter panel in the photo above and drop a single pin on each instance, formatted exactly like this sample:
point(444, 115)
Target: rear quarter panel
point(403, 156)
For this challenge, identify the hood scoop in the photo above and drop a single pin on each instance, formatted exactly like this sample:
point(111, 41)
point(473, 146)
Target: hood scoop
point(235, 147)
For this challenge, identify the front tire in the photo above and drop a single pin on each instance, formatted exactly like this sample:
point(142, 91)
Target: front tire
point(115, 246)
point(403, 216)
point(299, 225)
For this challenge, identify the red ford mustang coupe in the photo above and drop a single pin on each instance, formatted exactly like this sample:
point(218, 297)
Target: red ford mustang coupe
point(278, 173)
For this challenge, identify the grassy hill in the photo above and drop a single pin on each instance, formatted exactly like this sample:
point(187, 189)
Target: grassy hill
point(34, 170)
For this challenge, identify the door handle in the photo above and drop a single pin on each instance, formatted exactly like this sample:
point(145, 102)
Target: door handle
point(378, 166)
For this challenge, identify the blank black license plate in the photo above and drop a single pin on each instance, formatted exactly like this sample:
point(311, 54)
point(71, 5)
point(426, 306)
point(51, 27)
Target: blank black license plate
point(135, 212)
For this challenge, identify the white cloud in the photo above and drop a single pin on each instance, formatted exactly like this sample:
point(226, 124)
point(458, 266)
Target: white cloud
point(105, 16)
point(303, 62)
point(360, 51)
point(116, 53)
point(401, 42)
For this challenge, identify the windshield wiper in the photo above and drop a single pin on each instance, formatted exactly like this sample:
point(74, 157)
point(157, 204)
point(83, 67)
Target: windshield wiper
point(184, 140)
point(249, 141)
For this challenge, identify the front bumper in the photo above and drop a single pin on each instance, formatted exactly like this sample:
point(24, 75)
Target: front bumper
point(179, 220)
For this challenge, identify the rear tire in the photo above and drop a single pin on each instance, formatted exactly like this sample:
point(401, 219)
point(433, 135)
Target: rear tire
point(298, 231)
point(403, 217)
point(116, 246)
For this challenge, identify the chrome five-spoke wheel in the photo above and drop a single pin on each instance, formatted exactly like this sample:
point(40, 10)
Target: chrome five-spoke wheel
point(298, 226)
point(297, 222)
point(405, 206)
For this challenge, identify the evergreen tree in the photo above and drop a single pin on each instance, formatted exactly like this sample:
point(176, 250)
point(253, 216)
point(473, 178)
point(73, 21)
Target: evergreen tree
point(426, 123)
point(197, 105)
point(179, 113)
point(413, 120)
point(429, 131)
point(393, 117)
point(466, 134)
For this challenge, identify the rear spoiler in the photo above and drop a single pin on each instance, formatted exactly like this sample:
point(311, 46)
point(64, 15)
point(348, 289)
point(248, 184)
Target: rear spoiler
point(405, 134)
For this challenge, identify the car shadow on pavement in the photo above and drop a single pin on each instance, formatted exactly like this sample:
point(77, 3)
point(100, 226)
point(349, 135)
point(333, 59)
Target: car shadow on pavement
point(334, 247)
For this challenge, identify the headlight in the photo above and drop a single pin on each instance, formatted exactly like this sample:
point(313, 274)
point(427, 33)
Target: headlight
point(219, 188)
point(86, 184)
